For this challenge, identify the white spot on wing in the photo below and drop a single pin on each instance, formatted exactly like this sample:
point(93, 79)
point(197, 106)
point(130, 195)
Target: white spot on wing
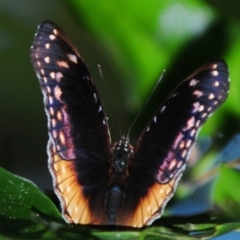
point(54, 122)
point(95, 97)
point(54, 133)
point(172, 164)
point(214, 66)
point(198, 93)
point(47, 45)
point(182, 144)
point(184, 153)
point(209, 109)
point(189, 141)
point(72, 58)
point(211, 96)
point(190, 124)
point(162, 109)
point(55, 31)
point(176, 143)
point(193, 82)
point(50, 100)
point(196, 107)
point(201, 108)
point(179, 164)
point(198, 123)
point(63, 64)
point(62, 138)
point(47, 59)
point(216, 84)
point(48, 89)
point(192, 132)
point(59, 116)
point(51, 110)
point(58, 76)
point(57, 93)
point(214, 73)
point(52, 37)
point(52, 75)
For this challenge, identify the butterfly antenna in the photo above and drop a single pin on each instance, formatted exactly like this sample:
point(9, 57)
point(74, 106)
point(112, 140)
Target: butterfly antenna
point(154, 88)
point(108, 98)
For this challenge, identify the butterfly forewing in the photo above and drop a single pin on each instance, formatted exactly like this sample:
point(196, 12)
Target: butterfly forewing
point(162, 150)
point(71, 100)
point(81, 161)
point(174, 126)
point(77, 124)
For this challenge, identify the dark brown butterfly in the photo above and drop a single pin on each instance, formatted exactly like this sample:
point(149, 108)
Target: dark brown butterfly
point(116, 185)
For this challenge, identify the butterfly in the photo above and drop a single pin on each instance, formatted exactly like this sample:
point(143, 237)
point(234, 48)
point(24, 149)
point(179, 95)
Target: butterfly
point(99, 183)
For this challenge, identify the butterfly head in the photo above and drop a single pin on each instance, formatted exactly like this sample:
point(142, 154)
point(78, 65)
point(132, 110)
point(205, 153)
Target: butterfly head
point(121, 154)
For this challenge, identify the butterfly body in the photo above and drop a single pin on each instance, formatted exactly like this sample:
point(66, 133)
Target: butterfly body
point(100, 183)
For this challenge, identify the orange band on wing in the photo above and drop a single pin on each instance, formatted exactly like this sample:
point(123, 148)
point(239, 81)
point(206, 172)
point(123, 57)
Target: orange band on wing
point(151, 206)
point(69, 191)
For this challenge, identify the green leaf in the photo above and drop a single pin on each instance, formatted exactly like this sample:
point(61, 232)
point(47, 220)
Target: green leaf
point(222, 229)
point(20, 201)
point(226, 193)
